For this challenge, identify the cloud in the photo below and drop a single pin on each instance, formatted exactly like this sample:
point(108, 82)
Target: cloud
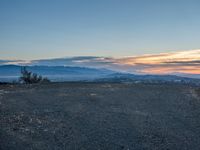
point(14, 62)
point(164, 63)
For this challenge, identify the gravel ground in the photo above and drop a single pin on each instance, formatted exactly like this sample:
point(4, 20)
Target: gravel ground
point(99, 116)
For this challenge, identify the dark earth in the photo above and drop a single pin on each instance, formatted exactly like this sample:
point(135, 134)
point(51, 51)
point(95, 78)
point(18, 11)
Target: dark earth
point(99, 116)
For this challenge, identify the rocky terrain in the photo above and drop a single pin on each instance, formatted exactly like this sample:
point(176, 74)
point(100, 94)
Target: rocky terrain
point(99, 116)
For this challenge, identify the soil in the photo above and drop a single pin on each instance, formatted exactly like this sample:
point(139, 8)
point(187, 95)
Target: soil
point(99, 116)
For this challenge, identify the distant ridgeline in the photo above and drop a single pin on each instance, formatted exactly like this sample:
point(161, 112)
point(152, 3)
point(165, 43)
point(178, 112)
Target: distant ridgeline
point(128, 78)
point(10, 73)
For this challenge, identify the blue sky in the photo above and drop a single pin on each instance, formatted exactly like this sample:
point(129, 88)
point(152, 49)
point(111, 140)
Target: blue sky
point(35, 29)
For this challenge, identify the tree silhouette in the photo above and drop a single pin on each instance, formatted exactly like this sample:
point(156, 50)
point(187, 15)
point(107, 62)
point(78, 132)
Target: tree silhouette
point(28, 77)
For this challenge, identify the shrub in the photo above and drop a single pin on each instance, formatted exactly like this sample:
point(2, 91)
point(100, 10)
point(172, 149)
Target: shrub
point(28, 77)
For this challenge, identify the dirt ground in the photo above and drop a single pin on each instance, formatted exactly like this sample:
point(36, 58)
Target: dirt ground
point(99, 116)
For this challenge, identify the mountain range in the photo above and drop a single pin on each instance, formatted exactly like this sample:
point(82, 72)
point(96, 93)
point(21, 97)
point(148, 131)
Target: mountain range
point(9, 73)
point(54, 73)
point(134, 65)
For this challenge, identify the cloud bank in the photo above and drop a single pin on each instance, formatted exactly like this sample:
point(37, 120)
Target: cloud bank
point(164, 63)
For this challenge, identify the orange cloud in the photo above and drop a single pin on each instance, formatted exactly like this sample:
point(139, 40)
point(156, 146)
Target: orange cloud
point(165, 63)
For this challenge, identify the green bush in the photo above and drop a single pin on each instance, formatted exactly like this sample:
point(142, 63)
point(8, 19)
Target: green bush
point(28, 77)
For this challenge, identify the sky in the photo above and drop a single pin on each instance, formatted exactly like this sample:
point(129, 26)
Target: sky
point(42, 29)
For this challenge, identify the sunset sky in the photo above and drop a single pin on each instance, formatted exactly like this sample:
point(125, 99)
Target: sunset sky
point(143, 36)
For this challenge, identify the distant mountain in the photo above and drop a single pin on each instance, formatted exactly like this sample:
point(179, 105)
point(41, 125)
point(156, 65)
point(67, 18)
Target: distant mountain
point(126, 77)
point(197, 76)
point(110, 63)
point(54, 73)
point(9, 73)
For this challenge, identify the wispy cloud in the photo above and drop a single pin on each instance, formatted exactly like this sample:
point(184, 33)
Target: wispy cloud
point(15, 62)
point(164, 63)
